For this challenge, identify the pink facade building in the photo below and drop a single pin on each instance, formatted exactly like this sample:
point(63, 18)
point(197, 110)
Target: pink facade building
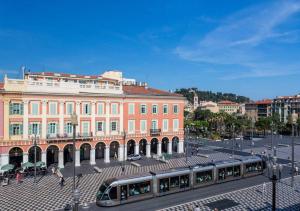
point(116, 117)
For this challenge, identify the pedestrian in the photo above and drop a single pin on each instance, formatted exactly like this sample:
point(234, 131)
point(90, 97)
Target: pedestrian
point(116, 156)
point(197, 208)
point(18, 177)
point(296, 170)
point(62, 181)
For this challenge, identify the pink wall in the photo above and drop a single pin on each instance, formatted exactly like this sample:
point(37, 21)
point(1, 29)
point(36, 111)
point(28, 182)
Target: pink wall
point(1, 119)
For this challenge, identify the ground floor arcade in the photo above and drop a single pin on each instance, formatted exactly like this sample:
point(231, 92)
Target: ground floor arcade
point(60, 154)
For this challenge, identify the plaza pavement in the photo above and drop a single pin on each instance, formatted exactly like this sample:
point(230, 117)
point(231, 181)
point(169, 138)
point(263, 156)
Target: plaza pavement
point(251, 198)
point(48, 195)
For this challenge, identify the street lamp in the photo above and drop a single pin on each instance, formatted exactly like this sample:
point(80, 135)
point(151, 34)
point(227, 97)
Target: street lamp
point(76, 196)
point(74, 123)
point(123, 164)
point(272, 126)
point(187, 130)
point(274, 174)
point(34, 141)
point(233, 139)
point(294, 124)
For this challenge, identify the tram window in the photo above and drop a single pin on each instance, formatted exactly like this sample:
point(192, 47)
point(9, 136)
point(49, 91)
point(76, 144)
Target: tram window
point(230, 171)
point(164, 185)
point(174, 182)
point(237, 171)
point(221, 174)
point(139, 188)
point(202, 177)
point(184, 181)
point(253, 167)
point(123, 193)
point(113, 193)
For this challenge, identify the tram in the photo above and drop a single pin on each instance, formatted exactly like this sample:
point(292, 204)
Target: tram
point(126, 189)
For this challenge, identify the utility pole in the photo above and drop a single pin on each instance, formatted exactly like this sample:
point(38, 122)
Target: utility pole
point(294, 122)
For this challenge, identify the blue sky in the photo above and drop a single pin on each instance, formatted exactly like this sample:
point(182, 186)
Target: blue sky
point(251, 48)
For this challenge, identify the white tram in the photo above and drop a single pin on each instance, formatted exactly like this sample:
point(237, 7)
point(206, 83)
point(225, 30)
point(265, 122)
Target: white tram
point(132, 188)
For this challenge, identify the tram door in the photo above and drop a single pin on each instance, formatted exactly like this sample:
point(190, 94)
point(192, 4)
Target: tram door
point(123, 193)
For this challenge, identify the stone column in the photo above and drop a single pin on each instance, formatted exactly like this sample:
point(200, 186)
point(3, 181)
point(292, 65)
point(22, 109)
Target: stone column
point(106, 154)
point(60, 159)
point(61, 117)
point(148, 150)
point(137, 149)
point(125, 151)
point(4, 159)
point(121, 153)
point(93, 116)
point(159, 148)
point(170, 147)
point(44, 119)
point(44, 157)
point(77, 157)
point(25, 120)
point(107, 119)
point(93, 156)
point(25, 157)
point(180, 146)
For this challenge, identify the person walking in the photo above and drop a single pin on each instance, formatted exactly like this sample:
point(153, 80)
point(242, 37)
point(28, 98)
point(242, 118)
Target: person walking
point(18, 177)
point(197, 208)
point(62, 181)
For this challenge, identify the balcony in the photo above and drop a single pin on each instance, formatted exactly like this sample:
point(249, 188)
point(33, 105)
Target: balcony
point(54, 138)
point(155, 132)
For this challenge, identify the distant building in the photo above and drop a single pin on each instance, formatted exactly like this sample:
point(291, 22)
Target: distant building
point(264, 108)
point(251, 110)
point(228, 106)
point(209, 105)
point(196, 100)
point(242, 109)
point(285, 105)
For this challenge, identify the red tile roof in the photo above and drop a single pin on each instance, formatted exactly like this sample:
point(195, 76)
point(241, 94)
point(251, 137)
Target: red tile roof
point(142, 90)
point(264, 102)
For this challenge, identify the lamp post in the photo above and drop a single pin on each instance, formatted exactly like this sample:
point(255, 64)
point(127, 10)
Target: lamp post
point(123, 163)
point(274, 174)
point(34, 141)
point(294, 123)
point(272, 126)
point(186, 143)
point(76, 196)
point(76, 192)
point(233, 139)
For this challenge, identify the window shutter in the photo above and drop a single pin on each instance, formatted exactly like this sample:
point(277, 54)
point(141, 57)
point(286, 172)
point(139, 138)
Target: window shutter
point(104, 127)
point(21, 129)
point(30, 129)
point(48, 128)
point(57, 128)
point(10, 108)
point(96, 126)
point(40, 129)
point(10, 129)
point(65, 128)
point(21, 108)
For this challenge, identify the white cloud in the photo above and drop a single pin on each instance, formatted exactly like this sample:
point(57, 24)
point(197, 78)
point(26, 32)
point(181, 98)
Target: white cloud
point(238, 39)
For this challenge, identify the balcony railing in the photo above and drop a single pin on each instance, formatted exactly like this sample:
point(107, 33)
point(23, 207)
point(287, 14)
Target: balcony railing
point(68, 137)
point(155, 132)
